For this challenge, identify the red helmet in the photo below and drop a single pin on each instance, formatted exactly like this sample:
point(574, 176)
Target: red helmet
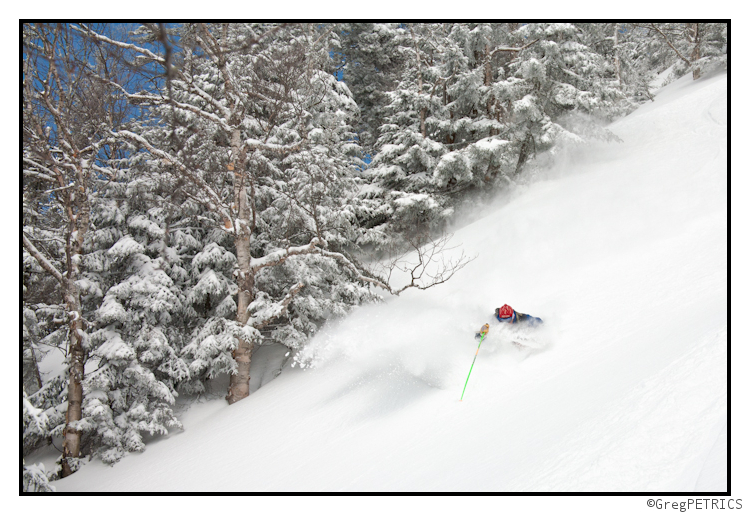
point(505, 311)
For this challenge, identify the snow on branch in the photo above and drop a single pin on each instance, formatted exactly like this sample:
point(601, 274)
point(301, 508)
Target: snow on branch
point(360, 273)
point(40, 419)
point(279, 256)
point(314, 247)
point(41, 167)
point(246, 45)
point(206, 97)
point(214, 201)
point(510, 49)
point(38, 175)
point(43, 261)
point(250, 42)
point(431, 267)
point(71, 185)
point(254, 144)
point(155, 100)
point(268, 315)
point(128, 46)
point(652, 26)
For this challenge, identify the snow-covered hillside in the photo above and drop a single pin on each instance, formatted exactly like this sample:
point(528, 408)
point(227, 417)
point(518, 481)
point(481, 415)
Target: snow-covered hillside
point(621, 249)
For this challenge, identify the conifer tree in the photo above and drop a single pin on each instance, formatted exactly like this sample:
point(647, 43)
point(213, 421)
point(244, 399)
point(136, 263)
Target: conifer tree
point(136, 339)
point(374, 56)
point(690, 47)
point(258, 130)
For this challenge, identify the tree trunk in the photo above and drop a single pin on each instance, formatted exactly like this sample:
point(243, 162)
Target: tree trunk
point(617, 56)
point(71, 436)
point(239, 381)
point(37, 375)
point(450, 138)
point(488, 73)
point(524, 153)
point(423, 111)
point(72, 299)
point(696, 51)
point(79, 211)
point(487, 68)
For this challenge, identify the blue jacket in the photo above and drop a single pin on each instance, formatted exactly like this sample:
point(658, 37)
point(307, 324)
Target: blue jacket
point(519, 318)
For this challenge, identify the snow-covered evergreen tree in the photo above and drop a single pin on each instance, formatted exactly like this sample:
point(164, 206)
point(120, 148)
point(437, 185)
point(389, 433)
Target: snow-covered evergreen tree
point(135, 352)
point(402, 197)
point(259, 131)
point(374, 57)
point(35, 426)
point(476, 104)
point(689, 47)
point(561, 91)
point(35, 478)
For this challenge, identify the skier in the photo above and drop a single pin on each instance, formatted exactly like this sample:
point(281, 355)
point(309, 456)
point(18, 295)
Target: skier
point(508, 315)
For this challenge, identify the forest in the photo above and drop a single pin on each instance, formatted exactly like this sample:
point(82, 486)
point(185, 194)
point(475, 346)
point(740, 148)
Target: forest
point(195, 191)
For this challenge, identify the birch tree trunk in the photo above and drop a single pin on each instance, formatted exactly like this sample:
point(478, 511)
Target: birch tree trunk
point(79, 210)
point(239, 381)
point(71, 434)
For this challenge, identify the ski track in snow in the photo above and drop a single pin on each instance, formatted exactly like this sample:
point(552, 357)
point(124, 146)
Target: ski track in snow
point(620, 248)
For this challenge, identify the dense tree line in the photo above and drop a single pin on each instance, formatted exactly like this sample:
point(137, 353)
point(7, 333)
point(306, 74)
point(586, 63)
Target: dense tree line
point(192, 192)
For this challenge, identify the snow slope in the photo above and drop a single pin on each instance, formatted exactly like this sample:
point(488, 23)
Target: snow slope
point(621, 249)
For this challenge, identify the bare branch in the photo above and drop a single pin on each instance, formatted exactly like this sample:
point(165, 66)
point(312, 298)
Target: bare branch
point(421, 277)
point(431, 267)
point(327, 31)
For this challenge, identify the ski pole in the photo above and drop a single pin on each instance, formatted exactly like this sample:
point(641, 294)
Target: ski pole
point(472, 365)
